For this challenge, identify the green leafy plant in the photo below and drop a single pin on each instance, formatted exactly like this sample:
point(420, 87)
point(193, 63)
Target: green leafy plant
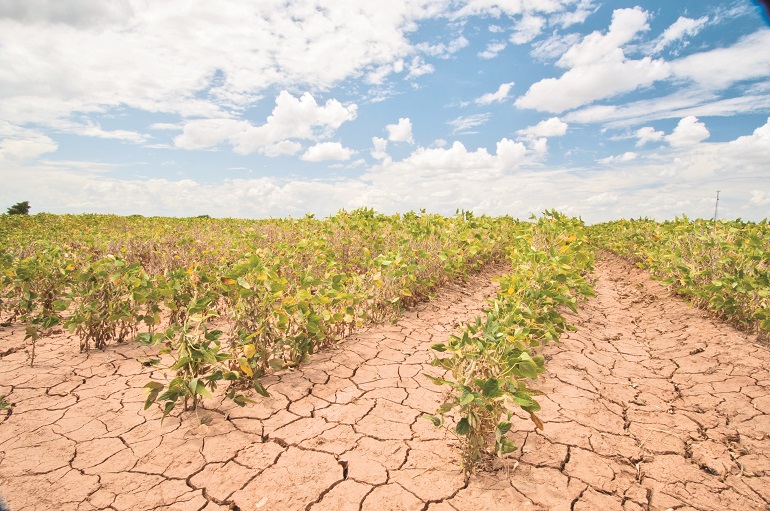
point(198, 360)
point(104, 308)
point(490, 362)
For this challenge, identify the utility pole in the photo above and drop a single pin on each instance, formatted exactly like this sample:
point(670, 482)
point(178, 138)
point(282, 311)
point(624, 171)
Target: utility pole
point(715, 207)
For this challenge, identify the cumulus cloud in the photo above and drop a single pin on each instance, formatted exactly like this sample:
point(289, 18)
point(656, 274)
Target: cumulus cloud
point(688, 132)
point(379, 151)
point(552, 127)
point(598, 68)
point(439, 179)
point(292, 117)
point(492, 97)
point(583, 9)
point(401, 132)
point(648, 134)
point(754, 147)
point(598, 47)
point(419, 67)
point(527, 29)
point(17, 143)
point(443, 50)
point(168, 64)
point(325, 151)
point(455, 161)
point(492, 50)
point(282, 148)
point(680, 29)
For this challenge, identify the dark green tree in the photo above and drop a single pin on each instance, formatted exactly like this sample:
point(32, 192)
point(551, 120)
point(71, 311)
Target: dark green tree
point(20, 208)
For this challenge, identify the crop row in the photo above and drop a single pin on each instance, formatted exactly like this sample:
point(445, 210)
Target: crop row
point(720, 266)
point(230, 299)
point(493, 357)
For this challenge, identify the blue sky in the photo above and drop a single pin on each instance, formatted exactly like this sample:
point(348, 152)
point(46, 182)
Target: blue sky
point(269, 108)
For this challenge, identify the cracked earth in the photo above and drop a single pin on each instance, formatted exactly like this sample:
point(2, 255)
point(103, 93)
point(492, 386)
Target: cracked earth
point(648, 406)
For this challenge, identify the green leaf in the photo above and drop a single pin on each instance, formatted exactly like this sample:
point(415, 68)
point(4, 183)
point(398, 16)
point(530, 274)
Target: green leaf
point(437, 380)
point(467, 397)
point(152, 388)
point(463, 427)
point(201, 390)
point(526, 402)
point(261, 389)
point(167, 409)
point(242, 400)
point(435, 420)
point(503, 427)
point(491, 388)
point(504, 446)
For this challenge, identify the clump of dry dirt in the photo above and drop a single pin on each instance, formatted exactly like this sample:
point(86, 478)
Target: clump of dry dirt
point(649, 406)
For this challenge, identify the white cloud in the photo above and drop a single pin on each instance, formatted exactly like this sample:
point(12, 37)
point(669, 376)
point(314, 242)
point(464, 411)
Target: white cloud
point(492, 97)
point(585, 84)
point(465, 123)
point(648, 134)
point(77, 13)
point(752, 148)
point(527, 29)
point(292, 117)
point(539, 146)
point(604, 198)
point(760, 198)
point(679, 180)
point(584, 9)
point(554, 46)
point(401, 132)
point(442, 50)
point(597, 47)
point(688, 132)
point(497, 8)
point(380, 148)
point(552, 127)
point(419, 67)
point(598, 68)
point(620, 158)
point(164, 126)
point(92, 129)
point(284, 147)
point(747, 59)
point(683, 103)
point(17, 143)
point(58, 60)
point(681, 28)
point(327, 151)
point(492, 50)
point(453, 162)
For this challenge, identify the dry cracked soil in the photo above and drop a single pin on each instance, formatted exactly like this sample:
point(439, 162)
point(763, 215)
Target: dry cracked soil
point(649, 405)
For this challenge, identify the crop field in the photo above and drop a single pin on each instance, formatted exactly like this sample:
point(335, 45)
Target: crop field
point(723, 267)
point(495, 332)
